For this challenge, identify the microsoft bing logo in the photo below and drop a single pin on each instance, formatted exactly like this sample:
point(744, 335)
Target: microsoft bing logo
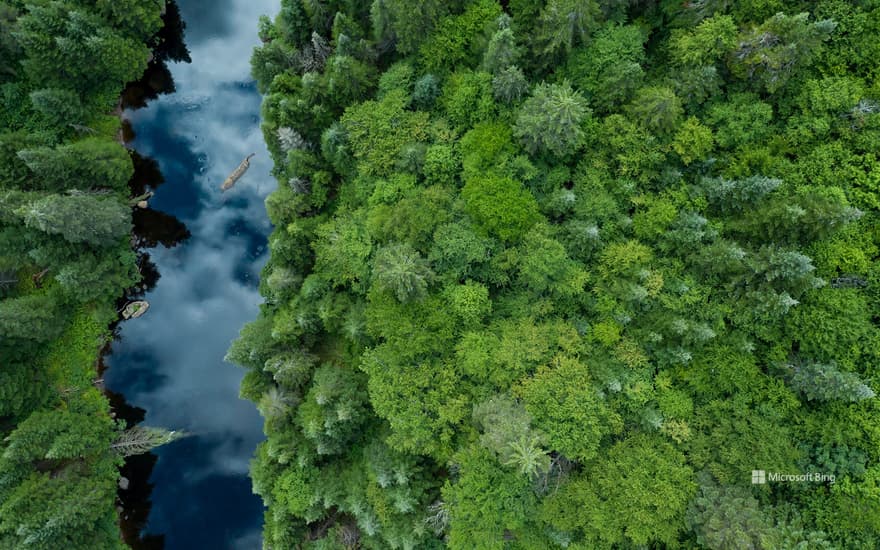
point(760, 477)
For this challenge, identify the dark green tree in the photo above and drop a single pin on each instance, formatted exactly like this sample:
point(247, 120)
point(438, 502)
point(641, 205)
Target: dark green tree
point(727, 517)
point(552, 120)
point(9, 48)
point(502, 50)
point(658, 109)
point(87, 164)
point(96, 220)
point(406, 24)
point(62, 108)
point(562, 24)
point(510, 85)
point(74, 48)
point(31, 317)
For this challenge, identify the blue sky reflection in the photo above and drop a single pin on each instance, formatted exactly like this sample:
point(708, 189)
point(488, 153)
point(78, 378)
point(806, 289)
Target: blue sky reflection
point(170, 362)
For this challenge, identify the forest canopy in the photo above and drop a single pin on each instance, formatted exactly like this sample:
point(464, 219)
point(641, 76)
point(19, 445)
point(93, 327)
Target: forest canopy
point(65, 258)
point(563, 274)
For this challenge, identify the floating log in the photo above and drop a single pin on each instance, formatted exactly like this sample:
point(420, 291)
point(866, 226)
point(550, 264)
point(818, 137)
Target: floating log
point(135, 309)
point(237, 173)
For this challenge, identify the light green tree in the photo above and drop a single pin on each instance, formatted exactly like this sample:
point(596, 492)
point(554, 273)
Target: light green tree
point(500, 205)
point(566, 405)
point(402, 271)
point(770, 53)
point(601, 504)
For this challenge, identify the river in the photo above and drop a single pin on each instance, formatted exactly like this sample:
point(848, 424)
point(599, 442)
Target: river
point(169, 363)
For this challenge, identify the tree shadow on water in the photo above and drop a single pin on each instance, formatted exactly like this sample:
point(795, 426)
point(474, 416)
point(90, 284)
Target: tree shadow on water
point(151, 227)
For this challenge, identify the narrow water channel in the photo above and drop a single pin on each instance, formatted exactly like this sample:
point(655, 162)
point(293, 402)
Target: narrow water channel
point(170, 361)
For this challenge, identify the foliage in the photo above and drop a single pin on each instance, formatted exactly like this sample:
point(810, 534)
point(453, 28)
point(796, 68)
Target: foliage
point(89, 219)
point(552, 119)
point(65, 221)
point(693, 141)
point(771, 52)
point(576, 268)
point(819, 382)
point(641, 495)
point(609, 69)
point(459, 38)
point(502, 206)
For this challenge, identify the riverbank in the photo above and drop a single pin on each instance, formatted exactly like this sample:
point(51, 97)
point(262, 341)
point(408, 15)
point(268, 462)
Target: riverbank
point(65, 232)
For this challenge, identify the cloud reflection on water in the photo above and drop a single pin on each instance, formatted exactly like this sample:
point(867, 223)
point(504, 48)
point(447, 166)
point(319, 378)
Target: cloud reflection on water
point(170, 362)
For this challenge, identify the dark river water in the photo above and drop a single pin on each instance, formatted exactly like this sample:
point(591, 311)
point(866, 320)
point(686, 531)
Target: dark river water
point(168, 365)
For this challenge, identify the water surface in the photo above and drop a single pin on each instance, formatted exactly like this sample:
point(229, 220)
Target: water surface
point(170, 361)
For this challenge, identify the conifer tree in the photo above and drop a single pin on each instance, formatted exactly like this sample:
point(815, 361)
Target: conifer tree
point(826, 382)
point(727, 518)
point(563, 24)
point(99, 221)
point(86, 164)
point(401, 270)
point(551, 120)
point(510, 85)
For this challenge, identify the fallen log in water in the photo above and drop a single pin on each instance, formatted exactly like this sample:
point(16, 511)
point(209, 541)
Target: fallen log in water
point(237, 173)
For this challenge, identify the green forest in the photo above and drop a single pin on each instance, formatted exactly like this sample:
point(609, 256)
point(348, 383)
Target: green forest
point(563, 273)
point(65, 258)
point(544, 274)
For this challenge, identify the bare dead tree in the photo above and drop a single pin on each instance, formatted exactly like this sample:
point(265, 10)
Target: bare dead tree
point(38, 278)
point(350, 535)
point(438, 517)
point(141, 439)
